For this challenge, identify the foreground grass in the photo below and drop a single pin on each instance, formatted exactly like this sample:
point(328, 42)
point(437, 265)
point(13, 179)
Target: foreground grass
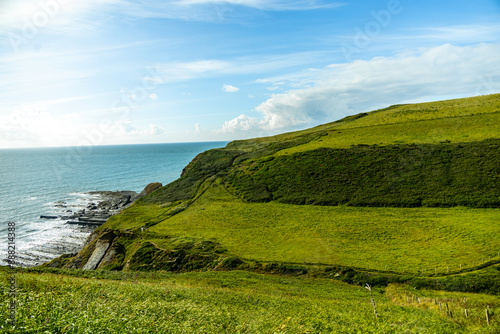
point(211, 302)
point(395, 239)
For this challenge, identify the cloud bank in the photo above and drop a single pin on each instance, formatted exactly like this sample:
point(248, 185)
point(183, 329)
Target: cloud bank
point(339, 90)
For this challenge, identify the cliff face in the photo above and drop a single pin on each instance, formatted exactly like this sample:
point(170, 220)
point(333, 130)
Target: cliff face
point(435, 155)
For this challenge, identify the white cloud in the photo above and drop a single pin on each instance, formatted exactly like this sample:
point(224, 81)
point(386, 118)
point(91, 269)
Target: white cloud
point(153, 96)
point(24, 20)
point(155, 130)
point(344, 89)
point(240, 123)
point(230, 89)
point(171, 72)
point(275, 5)
point(177, 71)
point(461, 33)
point(35, 125)
point(28, 18)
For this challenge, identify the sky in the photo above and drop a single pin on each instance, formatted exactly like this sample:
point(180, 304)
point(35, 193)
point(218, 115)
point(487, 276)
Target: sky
point(108, 72)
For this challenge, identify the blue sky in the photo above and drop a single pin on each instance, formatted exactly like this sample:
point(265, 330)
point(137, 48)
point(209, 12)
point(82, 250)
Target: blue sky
point(102, 72)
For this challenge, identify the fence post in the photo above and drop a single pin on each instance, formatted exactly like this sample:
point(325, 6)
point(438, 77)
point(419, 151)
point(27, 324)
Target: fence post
point(368, 286)
point(487, 317)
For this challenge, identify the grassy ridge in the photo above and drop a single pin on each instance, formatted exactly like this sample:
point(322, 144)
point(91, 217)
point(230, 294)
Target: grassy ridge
point(217, 302)
point(461, 129)
point(429, 123)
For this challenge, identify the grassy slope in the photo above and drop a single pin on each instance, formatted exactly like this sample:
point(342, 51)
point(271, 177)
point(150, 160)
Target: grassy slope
point(455, 129)
point(374, 238)
point(226, 302)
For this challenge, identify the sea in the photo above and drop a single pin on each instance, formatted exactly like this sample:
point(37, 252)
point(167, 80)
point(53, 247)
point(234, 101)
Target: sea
point(38, 182)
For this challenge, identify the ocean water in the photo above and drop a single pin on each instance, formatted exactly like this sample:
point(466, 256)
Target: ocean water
point(35, 182)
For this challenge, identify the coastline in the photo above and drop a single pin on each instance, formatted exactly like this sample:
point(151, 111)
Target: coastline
point(83, 221)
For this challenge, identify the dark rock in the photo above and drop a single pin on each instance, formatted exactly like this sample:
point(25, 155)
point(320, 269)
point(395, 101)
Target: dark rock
point(85, 223)
point(48, 217)
point(92, 219)
point(150, 188)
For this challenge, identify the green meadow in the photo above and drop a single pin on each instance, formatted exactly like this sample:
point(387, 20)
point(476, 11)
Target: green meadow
point(394, 239)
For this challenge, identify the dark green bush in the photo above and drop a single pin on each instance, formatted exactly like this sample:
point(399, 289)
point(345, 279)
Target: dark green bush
point(411, 175)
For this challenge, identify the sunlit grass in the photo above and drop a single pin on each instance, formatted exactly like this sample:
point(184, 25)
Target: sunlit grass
point(209, 302)
point(454, 129)
point(397, 239)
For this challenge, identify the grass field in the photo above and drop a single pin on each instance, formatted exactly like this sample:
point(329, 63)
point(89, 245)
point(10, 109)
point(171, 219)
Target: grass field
point(221, 302)
point(394, 239)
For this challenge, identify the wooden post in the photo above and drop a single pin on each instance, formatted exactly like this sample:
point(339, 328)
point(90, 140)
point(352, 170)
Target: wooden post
point(447, 309)
point(487, 317)
point(440, 307)
point(466, 313)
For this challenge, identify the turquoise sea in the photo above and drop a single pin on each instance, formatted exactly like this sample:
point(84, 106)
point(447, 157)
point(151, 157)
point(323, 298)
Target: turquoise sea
point(34, 182)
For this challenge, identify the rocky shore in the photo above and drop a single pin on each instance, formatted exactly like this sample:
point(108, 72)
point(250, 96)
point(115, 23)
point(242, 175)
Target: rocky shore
point(97, 212)
point(81, 221)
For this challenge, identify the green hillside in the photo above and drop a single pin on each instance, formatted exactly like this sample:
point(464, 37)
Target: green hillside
point(304, 197)
point(406, 196)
